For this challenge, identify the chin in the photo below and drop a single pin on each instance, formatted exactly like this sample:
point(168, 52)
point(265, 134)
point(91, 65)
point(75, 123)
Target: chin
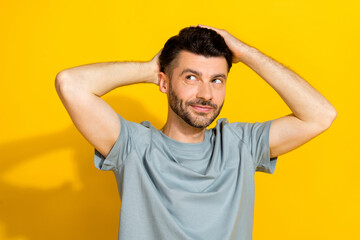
point(199, 123)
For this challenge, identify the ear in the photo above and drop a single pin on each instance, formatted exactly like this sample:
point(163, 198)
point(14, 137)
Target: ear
point(163, 82)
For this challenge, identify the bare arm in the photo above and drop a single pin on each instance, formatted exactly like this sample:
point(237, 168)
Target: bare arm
point(81, 87)
point(311, 114)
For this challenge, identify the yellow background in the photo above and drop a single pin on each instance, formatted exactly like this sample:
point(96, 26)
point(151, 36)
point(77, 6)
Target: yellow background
point(49, 187)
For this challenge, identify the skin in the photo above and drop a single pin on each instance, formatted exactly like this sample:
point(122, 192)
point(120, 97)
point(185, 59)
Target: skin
point(311, 114)
point(195, 94)
point(80, 89)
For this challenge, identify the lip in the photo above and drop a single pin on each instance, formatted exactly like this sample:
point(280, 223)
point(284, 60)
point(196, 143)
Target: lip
point(201, 108)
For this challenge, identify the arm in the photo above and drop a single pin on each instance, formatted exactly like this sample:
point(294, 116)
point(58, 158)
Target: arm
point(311, 114)
point(81, 87)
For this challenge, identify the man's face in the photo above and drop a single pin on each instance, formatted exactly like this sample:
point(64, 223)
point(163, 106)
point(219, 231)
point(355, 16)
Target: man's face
point(197, 88)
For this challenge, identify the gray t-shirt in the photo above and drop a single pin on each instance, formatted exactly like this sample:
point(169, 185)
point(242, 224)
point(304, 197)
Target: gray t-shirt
point(174, 190)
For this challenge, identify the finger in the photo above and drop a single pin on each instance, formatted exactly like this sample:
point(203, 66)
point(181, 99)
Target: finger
point(205, 26)
point(219, 31)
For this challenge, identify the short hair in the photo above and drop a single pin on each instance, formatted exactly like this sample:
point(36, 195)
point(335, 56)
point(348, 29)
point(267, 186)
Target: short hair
point(198, 40)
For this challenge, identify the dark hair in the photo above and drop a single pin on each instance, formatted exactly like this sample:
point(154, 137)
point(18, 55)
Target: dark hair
point(198, 40)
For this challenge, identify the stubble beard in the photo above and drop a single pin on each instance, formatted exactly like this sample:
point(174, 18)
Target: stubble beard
point(182, 110)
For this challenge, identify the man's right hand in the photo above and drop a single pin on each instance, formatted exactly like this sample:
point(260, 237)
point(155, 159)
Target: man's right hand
point(155, 63)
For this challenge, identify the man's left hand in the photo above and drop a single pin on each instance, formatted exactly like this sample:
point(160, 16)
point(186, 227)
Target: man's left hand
point(237, 47)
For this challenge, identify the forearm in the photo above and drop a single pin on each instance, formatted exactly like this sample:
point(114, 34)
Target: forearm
point(305, 102)
point(100, 78)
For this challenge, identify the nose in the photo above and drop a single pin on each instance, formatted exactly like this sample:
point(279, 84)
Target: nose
point(205, 92)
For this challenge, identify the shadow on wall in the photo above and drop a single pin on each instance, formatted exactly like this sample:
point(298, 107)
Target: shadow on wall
point(89, 212)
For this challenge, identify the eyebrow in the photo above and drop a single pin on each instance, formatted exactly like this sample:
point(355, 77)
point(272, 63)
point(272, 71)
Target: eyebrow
point(199, 74)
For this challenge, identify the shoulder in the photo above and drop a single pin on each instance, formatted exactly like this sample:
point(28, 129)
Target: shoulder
point(223, 123)
point(225, 128)
point(134, 130)
point(242, 130)
point(134, 125)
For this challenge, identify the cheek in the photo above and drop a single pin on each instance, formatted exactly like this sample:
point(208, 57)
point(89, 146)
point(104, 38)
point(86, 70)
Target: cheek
point(220, 96)
point(188, 93)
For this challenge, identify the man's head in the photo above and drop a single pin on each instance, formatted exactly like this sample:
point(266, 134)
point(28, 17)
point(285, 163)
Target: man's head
point(194, 69)
point(197, 40)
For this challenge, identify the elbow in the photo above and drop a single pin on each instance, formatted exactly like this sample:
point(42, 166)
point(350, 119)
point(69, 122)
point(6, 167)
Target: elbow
point(59, 80)
point(332, 116)
point(329, 118)
point(62, 83)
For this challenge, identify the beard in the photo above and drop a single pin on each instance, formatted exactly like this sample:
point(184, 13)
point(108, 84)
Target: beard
point(195, 119)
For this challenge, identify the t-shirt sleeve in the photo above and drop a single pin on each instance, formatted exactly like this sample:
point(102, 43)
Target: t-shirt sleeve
point(256, 136)
point(118, 152)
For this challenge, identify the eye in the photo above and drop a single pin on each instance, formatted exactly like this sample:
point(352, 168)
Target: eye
point(189, 77)
point(217, 81)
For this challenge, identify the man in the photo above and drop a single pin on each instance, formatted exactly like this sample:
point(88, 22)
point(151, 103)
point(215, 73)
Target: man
point(185, 181)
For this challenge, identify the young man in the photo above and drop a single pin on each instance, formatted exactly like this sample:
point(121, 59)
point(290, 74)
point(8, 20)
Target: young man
point(185, 181)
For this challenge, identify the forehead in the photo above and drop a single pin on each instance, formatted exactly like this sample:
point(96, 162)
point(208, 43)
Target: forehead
point(200, 63)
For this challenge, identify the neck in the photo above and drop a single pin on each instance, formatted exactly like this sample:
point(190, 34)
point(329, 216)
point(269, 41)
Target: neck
point(177, 129)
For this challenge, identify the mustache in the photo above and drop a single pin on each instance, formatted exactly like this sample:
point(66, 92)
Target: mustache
point(202, 102)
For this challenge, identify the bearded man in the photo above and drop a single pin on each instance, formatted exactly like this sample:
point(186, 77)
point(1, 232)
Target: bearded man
point(185, 181)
